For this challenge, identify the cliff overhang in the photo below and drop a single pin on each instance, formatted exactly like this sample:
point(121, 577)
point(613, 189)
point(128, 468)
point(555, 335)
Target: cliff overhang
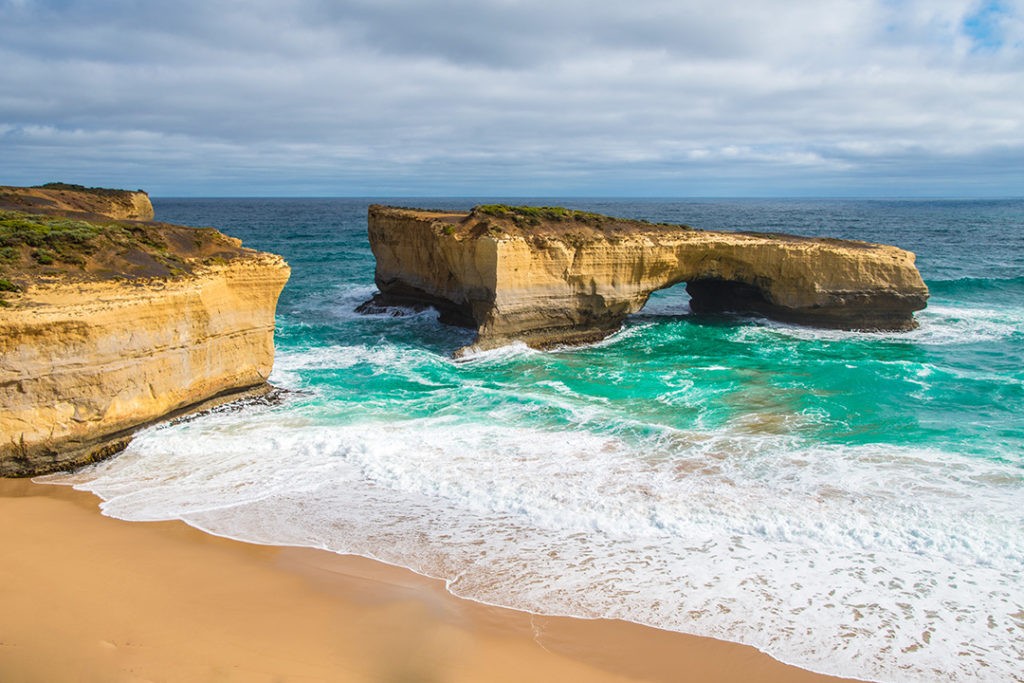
point(549, 276)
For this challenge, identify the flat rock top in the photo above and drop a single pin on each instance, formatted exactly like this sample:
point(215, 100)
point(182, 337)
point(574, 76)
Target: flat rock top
point(527, 221)
point(63, 197)
point(537, 224)
point(46, 242)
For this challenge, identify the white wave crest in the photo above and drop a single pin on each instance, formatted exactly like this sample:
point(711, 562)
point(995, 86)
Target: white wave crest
point(383, 357)
point(864, 561)
point(938, 326)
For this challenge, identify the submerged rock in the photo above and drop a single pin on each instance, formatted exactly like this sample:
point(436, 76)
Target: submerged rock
point(553, 276)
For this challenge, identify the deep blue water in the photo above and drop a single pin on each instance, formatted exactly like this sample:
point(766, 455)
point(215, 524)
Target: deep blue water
point(848, 502)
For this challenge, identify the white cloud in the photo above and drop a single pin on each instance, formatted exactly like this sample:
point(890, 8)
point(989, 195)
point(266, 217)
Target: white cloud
point(483, 96)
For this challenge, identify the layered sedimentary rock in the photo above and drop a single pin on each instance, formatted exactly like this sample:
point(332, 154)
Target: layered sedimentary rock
point(550, 277)
point(149, 321)
point(83, 365)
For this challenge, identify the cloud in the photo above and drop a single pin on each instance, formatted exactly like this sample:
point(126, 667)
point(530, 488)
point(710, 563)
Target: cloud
point(501, 96)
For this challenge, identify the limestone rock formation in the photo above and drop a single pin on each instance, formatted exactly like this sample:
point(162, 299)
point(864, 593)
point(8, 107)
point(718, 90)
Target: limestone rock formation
point(551, 276)
point(52, 197)
point(122, 325)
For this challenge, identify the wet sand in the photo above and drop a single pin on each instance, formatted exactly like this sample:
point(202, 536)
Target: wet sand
point(88, 598)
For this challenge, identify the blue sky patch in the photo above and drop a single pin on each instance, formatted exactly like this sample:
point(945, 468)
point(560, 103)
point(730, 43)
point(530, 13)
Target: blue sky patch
point(984, 26)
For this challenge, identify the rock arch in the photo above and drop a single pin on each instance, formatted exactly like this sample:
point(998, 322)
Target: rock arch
point(551, 277)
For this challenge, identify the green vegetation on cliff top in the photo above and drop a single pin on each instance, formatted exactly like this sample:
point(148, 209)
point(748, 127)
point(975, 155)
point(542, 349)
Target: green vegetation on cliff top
point(49, 240)
point(50, 237)
point(31, 241)
point(535, 214)
point(34, 246)
point(82, 188)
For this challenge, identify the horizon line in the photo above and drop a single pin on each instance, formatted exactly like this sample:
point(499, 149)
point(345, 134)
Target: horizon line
point(900, 197)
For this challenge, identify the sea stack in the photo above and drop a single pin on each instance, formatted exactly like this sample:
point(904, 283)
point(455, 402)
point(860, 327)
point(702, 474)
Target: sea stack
point(551, 276)
point(108, 324)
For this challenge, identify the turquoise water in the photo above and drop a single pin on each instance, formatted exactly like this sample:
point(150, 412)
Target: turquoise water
point(848, 502)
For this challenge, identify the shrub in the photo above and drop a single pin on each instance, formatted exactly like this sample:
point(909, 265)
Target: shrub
point(51, 237)
point(103, 191)
point(533, 215)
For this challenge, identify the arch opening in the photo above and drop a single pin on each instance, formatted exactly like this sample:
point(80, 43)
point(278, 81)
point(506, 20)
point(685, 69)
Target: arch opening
point(712, 295)
point(706, 296)
point(669, 301)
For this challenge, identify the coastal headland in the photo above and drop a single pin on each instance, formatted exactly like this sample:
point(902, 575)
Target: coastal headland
point(95, 202)
point(549, 276)
point(110, 322)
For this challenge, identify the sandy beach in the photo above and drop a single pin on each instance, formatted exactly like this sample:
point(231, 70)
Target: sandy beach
point(90, 598)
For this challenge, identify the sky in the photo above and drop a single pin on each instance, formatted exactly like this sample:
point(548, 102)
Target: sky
point(542, 98)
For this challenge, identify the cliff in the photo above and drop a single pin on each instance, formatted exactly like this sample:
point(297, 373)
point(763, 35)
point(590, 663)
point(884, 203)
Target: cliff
point(551, 276)
point(62, 197)
point(109, 326)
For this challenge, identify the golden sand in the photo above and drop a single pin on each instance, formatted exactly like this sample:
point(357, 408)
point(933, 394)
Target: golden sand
point(88, 598)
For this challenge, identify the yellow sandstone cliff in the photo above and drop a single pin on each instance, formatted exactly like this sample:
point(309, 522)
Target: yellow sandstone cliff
point(153, 321)
point(552, 276)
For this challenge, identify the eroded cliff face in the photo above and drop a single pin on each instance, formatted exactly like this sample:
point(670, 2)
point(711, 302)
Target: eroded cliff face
point(84, 364)
point(568, 278)
point(421, 262)
point(106, 327)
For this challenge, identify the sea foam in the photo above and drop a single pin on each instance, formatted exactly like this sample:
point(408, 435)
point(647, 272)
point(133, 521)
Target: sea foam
point(846, 501)
point(873, 561)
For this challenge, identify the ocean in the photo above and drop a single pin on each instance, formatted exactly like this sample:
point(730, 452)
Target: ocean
point(851, 503)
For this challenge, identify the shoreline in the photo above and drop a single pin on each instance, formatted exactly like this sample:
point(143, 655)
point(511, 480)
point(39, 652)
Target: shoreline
point(92, 598)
